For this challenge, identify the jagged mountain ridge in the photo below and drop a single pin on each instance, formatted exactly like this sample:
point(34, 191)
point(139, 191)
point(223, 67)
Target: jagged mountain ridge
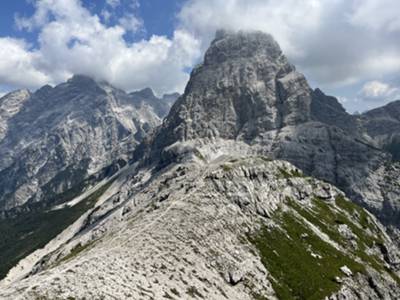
point(204, 214)
point(233, 95)
point(199, 229)
point(383, 125)
point(247, 90)
point(53, 139)
point(161, 106)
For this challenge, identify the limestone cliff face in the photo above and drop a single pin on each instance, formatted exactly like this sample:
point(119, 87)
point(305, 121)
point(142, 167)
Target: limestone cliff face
point(53, 139)
point(245, 87)
point(10, 105)
point(246, 90)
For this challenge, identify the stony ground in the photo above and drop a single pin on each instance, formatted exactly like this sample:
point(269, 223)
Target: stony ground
point(197, 230)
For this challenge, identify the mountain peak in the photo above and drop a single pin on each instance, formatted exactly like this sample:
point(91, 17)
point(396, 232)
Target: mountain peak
point(85, 83)
point(146, 93)
point(245, 88)
point(241, 44)
point(44, 90)
point(391, 109)
point(81, 80)
point(146, 96)
point(24, 93)
point(170, 97)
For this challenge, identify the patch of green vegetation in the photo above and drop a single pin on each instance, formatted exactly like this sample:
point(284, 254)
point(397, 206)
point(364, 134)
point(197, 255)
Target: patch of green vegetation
point(28, 232)
point(327, 219)
point(283, 173)
point(296, 274)
point(75, 251)
point(348, 206)
point(363, 219)
point(226, 168)
point(317, 220)
point(357, 216)
point(264, 158)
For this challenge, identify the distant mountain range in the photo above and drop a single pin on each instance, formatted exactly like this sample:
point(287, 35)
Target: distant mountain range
point(52, 140)
point(253, 186)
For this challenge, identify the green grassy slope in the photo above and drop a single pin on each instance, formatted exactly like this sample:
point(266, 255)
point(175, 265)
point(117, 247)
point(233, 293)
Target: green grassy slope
point(28, 232)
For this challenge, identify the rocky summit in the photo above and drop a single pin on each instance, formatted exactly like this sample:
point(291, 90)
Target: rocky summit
point(246, 90)
point(254, 186)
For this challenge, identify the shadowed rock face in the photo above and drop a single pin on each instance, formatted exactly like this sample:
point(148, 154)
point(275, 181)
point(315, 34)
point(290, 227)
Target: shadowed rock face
point(246, 90)
point(328, 110)
point(383, 125)
point(160, 106)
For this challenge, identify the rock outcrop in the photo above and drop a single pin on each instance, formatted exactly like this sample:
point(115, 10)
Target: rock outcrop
point(10, 105)
point(246, 90)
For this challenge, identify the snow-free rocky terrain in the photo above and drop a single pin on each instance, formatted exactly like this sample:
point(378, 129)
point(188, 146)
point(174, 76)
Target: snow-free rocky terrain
point(53, 139)
point(236, 196)
point(55, 144)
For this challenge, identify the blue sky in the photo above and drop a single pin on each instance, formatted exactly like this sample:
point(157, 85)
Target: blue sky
point(158, 16)
point(348, 48)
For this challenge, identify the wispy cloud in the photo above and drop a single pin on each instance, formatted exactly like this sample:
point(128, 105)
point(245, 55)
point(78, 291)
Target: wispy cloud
point(379, 91)
point(113, 3)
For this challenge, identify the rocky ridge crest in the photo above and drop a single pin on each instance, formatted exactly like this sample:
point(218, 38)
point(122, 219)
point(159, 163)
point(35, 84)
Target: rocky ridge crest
point(246, 90)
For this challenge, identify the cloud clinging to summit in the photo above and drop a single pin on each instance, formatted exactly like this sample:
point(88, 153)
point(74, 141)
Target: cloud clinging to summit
point(337, 43)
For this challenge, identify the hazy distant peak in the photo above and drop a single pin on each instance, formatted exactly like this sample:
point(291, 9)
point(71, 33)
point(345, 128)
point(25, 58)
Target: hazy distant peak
point(145, 93)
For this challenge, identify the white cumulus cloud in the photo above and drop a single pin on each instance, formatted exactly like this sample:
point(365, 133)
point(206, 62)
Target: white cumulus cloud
point(338, 44)
point(330, 40)
point(283, 19)
point(131, 23)
point(74, 41)
point(376, 90)
point(18, 64)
